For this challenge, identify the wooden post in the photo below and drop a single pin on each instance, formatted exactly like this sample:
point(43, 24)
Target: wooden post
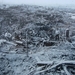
point(27, 42)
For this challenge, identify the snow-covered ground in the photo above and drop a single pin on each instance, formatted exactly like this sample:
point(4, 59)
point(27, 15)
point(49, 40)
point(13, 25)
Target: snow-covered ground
point(72, 15)
point(38, 21)
point(14, 63)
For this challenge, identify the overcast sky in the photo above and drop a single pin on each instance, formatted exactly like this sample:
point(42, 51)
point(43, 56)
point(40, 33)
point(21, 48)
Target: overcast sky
point(40, 2)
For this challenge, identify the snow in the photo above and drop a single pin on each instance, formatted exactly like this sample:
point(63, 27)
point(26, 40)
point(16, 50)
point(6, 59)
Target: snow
point(72, 15)
point(14, 59)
